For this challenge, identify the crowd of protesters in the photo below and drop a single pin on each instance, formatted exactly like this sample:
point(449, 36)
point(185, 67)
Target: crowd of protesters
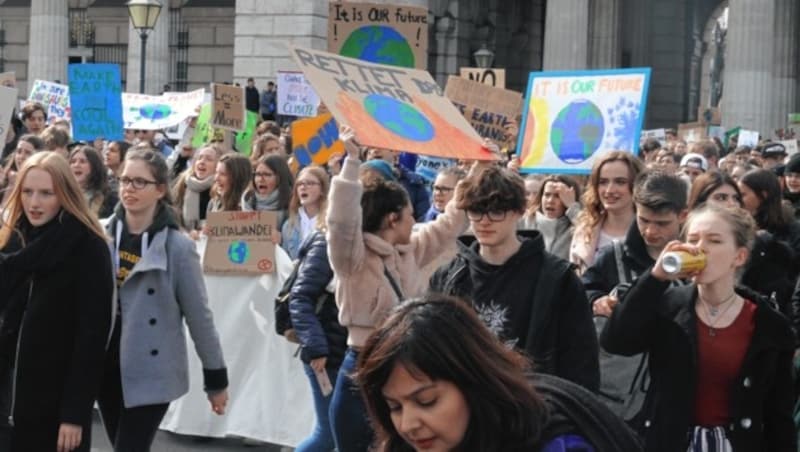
point(520, 290)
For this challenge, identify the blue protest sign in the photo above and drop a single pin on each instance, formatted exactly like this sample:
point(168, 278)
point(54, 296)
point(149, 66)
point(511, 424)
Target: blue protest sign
point(95, 95)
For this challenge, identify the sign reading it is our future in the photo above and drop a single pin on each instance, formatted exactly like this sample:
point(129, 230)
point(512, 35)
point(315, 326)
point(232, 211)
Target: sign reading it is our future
point(572, 117)
point(396, 35)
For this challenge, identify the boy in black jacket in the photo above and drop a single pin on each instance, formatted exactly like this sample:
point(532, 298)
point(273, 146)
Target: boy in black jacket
point(531, 299)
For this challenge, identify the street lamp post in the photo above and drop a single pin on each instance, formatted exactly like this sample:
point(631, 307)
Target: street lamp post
point(483, 57)
point(144, 15)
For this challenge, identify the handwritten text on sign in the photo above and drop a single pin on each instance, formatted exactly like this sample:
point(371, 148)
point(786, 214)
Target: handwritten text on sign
point(95, 95)
point(54, 97)
point(240, 242)
point(296, 97)
point(228, 106)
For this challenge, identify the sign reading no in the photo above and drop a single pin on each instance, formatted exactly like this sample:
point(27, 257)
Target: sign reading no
point(488, 76)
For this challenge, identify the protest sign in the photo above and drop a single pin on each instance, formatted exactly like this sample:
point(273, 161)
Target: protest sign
point(692, 132)
point(228, 110)
point(8, 100)
point(8, 79)
point(790, 145)
point(487, 76)
point(748, 138)
point(95, 95)
point(392, 108)
point(489, 110)
point(296, 97)
point(145, 112)
point(54, 97)
point(429, 167)
point(396, 35)
point(709, 115)
point(315, 140)
point(730, 133)
point(240, 242)
point(716, 132)
point(244, 139)
point(794, 119)
point(656, 134)
point(571, 117)
point(204, 132)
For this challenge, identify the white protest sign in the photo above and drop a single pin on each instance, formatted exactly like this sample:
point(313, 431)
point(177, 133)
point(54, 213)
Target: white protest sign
point(658, 134)
point(54, 96)
point(748, 138)
point(8, 99)
point(145, 112)
point(296, 97)
point(790, 145)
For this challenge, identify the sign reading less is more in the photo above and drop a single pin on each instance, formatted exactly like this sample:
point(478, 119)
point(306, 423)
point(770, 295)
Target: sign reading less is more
point(488, 76)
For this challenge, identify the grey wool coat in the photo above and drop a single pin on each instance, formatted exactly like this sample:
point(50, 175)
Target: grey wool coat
point(162, 289)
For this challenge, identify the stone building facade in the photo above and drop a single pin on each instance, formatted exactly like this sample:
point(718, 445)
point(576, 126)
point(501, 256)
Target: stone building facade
point(198, 41)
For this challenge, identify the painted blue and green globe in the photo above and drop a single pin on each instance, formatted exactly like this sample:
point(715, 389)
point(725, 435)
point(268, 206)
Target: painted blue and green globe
point(577, 131)
point(399, 117)
point(378, 44)
point(155, 111)
point(238, 252)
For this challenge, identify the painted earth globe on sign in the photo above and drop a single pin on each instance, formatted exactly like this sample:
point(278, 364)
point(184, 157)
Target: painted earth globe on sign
point(399, 117)
point(577, 131)
point(378, 44)
point(238, 252)
point(155, 111)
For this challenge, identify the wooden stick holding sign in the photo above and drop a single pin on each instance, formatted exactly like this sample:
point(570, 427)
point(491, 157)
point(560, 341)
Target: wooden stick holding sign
point(228, 107)
point(240, 242)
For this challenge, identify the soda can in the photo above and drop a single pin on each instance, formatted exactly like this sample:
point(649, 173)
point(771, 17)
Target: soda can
point(676, 262)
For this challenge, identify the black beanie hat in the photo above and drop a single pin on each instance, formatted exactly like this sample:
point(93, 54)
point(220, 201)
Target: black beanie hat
point(793, 165)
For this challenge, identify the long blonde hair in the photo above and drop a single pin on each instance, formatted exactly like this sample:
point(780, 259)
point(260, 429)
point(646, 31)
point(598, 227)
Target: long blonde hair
point(65, 187)
point(324, 186)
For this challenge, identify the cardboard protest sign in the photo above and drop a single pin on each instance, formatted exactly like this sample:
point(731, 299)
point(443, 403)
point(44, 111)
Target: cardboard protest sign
point(296, 97)
point(95, 95)
point(692, 132)
point(315, 140)
point(487, 76)
point(396, 35)
point(489, 110)
point(572, 117)
point(392, 108)
point(748, 138)
point(429, 167)
point(240, 242)
point(8, 100)
point(54, 97)
point(790, 145)
point(228, 107)
point(709, 115)
point(146, 112)
point(8, 79)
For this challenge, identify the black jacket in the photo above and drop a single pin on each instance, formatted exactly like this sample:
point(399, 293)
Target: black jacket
point(319, 333)
point(560, 335)
point(252, 99)
point(661, 320)
point(602, 276)
point(57, 307)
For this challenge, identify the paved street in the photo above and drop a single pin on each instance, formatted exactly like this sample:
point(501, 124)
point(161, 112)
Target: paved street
point(169, 442)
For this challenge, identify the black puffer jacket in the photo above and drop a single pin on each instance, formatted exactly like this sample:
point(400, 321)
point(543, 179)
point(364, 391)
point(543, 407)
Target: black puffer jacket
point(560, 334)
point(320, 333)
point(661, 320)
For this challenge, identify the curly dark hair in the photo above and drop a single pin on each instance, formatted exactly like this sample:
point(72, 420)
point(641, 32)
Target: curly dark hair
point(379, 200)
point(492, 189)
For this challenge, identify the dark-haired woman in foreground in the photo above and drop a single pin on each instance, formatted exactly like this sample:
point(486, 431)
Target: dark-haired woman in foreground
point(436, 379)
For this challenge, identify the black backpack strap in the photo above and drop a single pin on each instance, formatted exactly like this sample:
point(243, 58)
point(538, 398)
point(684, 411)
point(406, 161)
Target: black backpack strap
point(622, 275)
point(394, 284)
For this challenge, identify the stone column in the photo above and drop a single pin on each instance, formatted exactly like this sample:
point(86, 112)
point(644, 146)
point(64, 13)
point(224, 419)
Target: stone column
point(566, 35)
point(785, 57)
point(157, 56)
point(48, 51)
point(605, 42)
point(749, 91)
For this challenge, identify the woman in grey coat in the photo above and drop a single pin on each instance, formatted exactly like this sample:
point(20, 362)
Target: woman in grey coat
point(553, 214)
point(160, 283)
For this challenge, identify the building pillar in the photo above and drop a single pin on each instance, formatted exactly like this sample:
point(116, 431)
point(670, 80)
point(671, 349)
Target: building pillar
point(157, 56)
point(566, 35)
point(749, 92)
point(49, 41)
point(606, 39)
point(785, 69)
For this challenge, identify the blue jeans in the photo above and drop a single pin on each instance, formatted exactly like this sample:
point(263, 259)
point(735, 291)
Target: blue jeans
point(321, 439)
point(348, 414)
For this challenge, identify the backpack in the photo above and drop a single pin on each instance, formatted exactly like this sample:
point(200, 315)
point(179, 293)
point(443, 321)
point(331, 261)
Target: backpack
point(578, 421)
point(283, 319)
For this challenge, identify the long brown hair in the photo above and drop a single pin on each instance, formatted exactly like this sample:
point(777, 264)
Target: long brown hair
point(443, 338)
point(240, 172)
point(566, 180)
point(324, 185)
point(65, 187)
point(593, 212)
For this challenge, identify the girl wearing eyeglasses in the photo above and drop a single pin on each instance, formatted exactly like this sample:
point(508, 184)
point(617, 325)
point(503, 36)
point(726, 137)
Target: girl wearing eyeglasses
point(309, 199)
point(160, 284)
point(57, 305)
point(270, 188)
